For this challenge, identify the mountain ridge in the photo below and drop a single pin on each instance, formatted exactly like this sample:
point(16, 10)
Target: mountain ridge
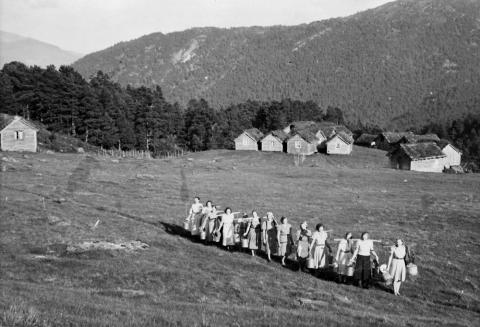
point(14, 47)
point(402, 63)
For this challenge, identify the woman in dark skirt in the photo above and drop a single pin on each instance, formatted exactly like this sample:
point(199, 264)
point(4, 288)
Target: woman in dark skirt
point(363, 269)
point(269, 235)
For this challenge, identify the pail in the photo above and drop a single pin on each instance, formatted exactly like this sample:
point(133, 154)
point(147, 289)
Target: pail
point(412, 269)
point(186, 225)
point(244, 243)
point(203, 235)
point(236, 238)
point(310, 263)
point(217, 236)
point(350, 270)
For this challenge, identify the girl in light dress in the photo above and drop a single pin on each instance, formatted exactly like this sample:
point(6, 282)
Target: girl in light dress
point(318, 247)
point(344, 254)
point(208, 220)
point(396, 265)
point(363, 268)
point(284, 236)
point(228, 239)
point(253, 233)
point(303, 242)
point(195, 216)
point(269, 235)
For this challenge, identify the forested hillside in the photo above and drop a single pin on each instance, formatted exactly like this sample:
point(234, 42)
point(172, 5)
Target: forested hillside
point(407, 63)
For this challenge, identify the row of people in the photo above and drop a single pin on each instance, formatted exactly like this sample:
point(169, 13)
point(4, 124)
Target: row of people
point(312, 249)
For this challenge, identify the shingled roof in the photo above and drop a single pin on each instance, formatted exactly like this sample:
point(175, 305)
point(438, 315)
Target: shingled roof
point(344, 137)
point(418, 151)
point(306, 135)
point(279, 134)
point(366, 139)
point(254, 133)
point(301, 124)
point(6, 120)
point(394, 137)
point(413, 138)
point(443, 143)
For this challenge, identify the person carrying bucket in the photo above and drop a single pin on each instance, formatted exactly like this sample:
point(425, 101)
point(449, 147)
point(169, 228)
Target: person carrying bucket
point(208, 222)
point(344, 254)
point(303, 241)
point(396, 265)
point(252, 234)
point(361, 256)
point(284, 236)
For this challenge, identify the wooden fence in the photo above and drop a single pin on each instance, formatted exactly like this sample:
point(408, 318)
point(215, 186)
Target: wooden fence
point(140, 154)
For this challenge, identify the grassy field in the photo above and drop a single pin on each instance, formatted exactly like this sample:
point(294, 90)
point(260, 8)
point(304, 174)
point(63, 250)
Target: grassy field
point(49, 203)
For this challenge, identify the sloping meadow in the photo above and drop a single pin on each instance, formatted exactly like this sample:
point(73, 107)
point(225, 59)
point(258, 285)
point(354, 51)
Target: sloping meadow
point(97, 241)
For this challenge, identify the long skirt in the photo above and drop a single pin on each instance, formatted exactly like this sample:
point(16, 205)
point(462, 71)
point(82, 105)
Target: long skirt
point(228, 235)
point(343, 261)
point(398, 271)
point(363, 270)
point(271, 241)
point(282, 250)
point(319, 256)
point(209, 228)
point(217, 236)
point(196, 223)
point(254, 238)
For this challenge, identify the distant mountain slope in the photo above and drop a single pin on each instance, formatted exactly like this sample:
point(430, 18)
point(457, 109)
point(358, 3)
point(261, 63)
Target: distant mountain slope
point(14, 47)
point(403, 64)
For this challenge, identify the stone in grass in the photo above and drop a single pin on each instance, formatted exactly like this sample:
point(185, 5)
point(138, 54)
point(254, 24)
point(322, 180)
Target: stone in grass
point(60, 200)
point(80, 150)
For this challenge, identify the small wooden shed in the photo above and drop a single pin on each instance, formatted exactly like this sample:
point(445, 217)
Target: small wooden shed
point(17, 134)
point(303, 142)
point(426, 157)
point(274, 141)
point(454, 155)
point(249, 140)
point(340, 143)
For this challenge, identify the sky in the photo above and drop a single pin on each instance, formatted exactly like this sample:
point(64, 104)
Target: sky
point(85, 26)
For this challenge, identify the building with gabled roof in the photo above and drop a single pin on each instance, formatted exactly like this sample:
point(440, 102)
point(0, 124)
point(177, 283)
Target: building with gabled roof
point(249, 140)
point(274, 141)
point(303, 142)
point(426, 157)
point(454, 155)
point(387, 140)
point(17, 134)
point(340, 143)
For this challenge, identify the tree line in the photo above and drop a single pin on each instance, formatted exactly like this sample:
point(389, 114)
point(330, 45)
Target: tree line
point(100, 112)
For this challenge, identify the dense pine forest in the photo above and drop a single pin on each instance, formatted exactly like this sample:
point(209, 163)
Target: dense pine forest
point(100, 112)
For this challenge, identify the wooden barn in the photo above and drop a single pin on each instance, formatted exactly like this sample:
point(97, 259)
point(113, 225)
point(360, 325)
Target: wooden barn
point(366, 140)
point(248, 140)
point(426, 157)
point(17, 134)
point(454, 155)
point(340, 143)
point(414, 138)
point(303, 142)
point(274, 141)
point(388, 140)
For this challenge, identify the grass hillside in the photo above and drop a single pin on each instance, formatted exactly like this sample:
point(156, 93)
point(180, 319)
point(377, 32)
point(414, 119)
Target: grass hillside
point(406, 63)
point(52, 204)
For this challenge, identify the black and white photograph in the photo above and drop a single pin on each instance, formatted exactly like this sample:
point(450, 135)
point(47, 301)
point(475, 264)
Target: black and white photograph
point(206, 163)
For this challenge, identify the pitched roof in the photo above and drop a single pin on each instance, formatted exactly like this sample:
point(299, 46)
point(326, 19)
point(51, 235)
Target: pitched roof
point(254, 133)
point(366, 139)
point(394, 137)
point(417, 151)
point(443, 143)
point(279, 134)
point(343, 136)
point(413, 138)
point(6, 120)
point(306, 135)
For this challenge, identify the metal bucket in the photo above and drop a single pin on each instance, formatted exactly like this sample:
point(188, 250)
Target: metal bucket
point(236, 238)
point(217, 236)
point(412, 269)
point(310, 263)
point(244, 243)
point(186, 225)
point(350, 270)
point(203, 235)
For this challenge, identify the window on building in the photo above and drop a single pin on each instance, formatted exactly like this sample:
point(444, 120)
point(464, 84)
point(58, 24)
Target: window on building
point(298, 144)
point(338, 146)
point(272, 143)
point(245, 141)
point(19, 135)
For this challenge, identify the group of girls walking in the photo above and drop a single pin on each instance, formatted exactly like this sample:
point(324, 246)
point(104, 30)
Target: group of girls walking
point(313, 251)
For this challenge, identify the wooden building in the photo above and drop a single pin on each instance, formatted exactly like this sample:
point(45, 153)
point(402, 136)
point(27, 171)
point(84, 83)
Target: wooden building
point(366, 140)
point(303, 142)
point(274, 141)
point(249, 140)
point(426, 157)
point(17, 134)
point(388, 140)
point(454, 155)
point(340, 143)
point(414, 138)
